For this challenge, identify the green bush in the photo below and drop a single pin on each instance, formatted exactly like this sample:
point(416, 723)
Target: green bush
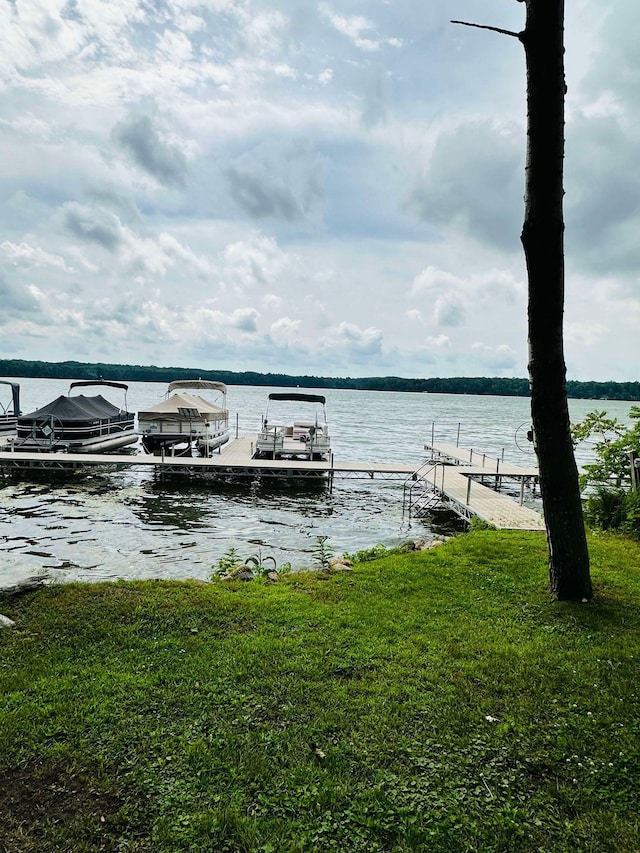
point(613, 444)
point(632, 521)
point(614, 509)
point(368, 554)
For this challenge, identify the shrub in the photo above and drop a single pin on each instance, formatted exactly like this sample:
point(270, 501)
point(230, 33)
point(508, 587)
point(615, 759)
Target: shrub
point(614, 509)
point(606, 508)
point(368, 554)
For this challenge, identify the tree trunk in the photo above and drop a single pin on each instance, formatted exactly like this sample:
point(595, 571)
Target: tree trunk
point(543, 242)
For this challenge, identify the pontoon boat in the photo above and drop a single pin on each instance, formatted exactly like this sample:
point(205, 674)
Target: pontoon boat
point(305, 436)
point(183, 420)
point(78, 424)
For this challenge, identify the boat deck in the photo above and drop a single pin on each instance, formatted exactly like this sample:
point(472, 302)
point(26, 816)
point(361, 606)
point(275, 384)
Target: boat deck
point(461, 486)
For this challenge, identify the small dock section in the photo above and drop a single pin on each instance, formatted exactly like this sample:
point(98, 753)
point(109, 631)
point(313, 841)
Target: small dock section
point(458, 477)
point(480, 463)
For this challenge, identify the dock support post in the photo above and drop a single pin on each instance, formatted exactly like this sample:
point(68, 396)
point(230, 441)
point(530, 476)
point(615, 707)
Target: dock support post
point(521, 491)
point(458, 436)
point(468, 491)
point(433, 426)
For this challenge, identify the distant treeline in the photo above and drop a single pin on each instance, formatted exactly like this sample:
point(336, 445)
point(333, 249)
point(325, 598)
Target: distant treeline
point(455, 385)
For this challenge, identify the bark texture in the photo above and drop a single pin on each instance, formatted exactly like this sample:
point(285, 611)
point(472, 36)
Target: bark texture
point(543, 242)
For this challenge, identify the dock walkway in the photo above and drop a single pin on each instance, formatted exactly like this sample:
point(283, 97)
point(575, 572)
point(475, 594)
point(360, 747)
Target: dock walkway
point(450, 478)
point(459, 476)
point(234, 460)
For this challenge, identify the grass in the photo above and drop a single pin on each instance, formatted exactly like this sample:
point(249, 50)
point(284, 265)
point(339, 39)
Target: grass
point(429, 701)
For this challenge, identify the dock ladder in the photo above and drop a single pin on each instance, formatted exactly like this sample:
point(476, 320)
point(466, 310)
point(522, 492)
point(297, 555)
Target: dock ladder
point(420, 491)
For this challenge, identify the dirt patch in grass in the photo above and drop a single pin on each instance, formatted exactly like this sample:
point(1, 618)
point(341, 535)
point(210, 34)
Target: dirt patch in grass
point(55, 808)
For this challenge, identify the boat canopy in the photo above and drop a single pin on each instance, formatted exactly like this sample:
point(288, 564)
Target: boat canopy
point(74, 409)
point(169, 409)
point(201, 384)
point(99, 382)
point(307, 398)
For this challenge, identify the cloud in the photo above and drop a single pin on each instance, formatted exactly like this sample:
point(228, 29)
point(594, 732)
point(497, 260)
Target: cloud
point(585, 335)
point(137, 137)
point(500, 357)
point(440, 342)
point(285, 331)
point(16, 298)
point(280, 182)
point(454, 299)
point(245, 320)
point(474, 181)
point(603, 194)
point(123, 205)
point(24, 255)
point(256, 262)
point(359, 30)
point(92, 225)
point(433, 281)
point(450, 310)
point(352, 341)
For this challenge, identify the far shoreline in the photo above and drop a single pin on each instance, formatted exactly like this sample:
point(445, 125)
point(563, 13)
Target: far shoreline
point(473, 385)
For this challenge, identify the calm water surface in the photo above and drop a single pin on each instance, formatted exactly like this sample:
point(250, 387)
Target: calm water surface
point(129, 525)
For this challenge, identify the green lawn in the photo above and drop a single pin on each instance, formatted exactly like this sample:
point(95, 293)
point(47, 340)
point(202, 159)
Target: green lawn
point(429, 701)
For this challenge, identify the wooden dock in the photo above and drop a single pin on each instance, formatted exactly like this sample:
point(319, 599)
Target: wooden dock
point(450, 478)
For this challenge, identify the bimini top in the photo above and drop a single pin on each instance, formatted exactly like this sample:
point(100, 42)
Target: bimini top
point(99, 382)
point(307, 398)
point(169, 409)
point(201, 384)
point(74, 409)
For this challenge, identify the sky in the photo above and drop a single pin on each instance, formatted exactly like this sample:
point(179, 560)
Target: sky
point(326, 188)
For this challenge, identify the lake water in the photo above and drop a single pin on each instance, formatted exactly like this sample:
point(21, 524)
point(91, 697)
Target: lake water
point(130, 525)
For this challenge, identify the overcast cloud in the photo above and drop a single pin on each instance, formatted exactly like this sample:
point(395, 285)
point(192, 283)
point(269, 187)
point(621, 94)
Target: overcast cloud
point(328, 188)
